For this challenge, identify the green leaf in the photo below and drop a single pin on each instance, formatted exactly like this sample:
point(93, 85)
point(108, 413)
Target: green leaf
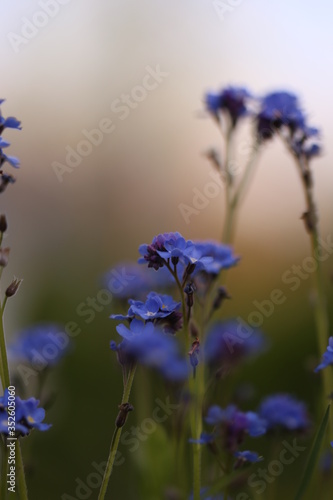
point(310, 466)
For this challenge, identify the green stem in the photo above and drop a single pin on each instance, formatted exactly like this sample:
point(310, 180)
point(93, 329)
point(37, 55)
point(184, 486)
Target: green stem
point(4, 361)
point(234, 201)
point(21, 484)
point(116, 438)
point(320, 306)
point(4, 468)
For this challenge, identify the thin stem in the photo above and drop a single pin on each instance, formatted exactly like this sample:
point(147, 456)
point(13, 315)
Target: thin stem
point(21, 484)
point(116, 438)
point(4, 468)
point(4, 361)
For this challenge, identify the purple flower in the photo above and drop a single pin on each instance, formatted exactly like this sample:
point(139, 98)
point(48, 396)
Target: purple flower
point(172, 248)
point(279, 109)
point(327, 358)
point(234, 424)
point(229, 342)
point(163, 246)
point(284, 412)
point(41, 345)
point(231, 100)
point(148, 345)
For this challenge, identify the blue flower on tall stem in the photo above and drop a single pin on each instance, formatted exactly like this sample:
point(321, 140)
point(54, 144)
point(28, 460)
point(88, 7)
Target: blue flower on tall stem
point(28, 415)
point(232, 101)
point(233, 425)
point(146, 344)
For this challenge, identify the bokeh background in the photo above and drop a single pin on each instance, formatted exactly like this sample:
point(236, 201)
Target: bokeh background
point(65, 235)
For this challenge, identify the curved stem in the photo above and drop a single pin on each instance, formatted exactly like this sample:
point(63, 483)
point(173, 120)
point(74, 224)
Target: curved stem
point(116, 438)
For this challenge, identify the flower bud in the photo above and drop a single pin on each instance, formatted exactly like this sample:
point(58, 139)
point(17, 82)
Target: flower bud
point(3, 223)
point(124, 409)
point(13, 287)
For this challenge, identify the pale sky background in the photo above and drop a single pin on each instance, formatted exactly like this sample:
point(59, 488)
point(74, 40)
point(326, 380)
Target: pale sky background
point(65, 79)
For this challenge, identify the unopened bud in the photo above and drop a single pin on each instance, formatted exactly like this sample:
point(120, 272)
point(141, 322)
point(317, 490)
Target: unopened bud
point(13, 287)
point(189, 290)
point(4, 254)
point(3, 223)
point(124, 409)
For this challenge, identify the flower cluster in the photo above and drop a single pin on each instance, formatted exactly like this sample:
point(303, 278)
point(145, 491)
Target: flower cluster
point(13, 123)
point(28, 415)
point(277, 113)
point(170, 249)
point(232, 425)
point(231, 101)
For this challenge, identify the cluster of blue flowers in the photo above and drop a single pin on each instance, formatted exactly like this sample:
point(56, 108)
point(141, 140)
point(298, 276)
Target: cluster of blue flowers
point(28, 415)
point(149, 337)
point(277, 113)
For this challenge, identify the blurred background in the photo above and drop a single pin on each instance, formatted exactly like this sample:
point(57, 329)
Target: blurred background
point(64, 73)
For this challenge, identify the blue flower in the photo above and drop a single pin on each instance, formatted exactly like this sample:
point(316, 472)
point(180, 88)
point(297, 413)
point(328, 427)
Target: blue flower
point(12, 160)
point(234, 424)
point(247, 456)
point(231, 100)
point(28, 415)
point(41, 345)
point(171, 249)
point(9, 122)
point(163, 246)
point(156, 306)
point(222, 256)
point(148, 345)
point(229, 342)
point(279, 109)
point(327, 358)
point(285, 412)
